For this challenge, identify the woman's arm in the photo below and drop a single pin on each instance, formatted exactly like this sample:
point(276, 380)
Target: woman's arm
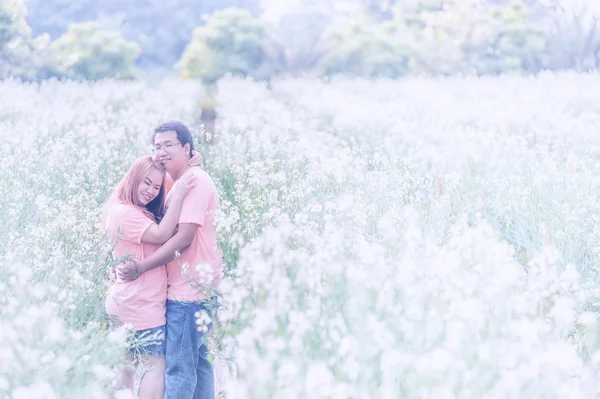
point(161, 232)
point(130, 270)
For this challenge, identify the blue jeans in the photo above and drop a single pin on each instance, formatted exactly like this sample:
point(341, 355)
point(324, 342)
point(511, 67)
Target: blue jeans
point(189, 374)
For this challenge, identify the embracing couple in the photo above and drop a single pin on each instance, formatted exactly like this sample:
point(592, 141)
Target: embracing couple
point(161, 218)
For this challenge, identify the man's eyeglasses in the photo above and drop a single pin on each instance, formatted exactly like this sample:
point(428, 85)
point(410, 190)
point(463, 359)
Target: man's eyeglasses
point(166, 147)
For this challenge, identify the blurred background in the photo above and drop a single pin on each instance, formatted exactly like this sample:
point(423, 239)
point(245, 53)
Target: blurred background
point(95, 39)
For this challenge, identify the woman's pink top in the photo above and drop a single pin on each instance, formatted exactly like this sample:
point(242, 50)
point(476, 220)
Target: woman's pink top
point(140, 303)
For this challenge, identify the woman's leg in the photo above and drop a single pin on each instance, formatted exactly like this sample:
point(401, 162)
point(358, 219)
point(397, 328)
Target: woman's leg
point(128, 379)
point(152, 384)
point(128, 372)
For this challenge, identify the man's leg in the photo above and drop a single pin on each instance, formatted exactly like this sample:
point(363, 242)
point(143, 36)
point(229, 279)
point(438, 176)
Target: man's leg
point(205, 378)
point(182, 351)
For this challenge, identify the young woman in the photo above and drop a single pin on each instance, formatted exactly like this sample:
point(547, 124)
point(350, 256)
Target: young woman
point(135, 218)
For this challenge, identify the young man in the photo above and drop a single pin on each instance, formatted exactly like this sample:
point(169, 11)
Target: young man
point(194, 268)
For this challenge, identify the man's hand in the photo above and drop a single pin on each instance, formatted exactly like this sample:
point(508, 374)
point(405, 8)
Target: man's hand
point(196, 159)
point(128, 271)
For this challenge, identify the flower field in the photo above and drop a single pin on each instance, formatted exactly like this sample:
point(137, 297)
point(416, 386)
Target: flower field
point(421, 238)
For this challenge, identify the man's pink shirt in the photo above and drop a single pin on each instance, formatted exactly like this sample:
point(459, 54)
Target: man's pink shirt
point(201, 264)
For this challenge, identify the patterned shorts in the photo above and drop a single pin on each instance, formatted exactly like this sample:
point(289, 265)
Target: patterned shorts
point(148, 342)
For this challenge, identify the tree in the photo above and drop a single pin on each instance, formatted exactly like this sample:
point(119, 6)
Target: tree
point(161, 28)
point(514, 42)
point(380, 10)
point(21, 56)
point(232, 41)
point(89, 51)
point(573, 33)
point(10, 36)
point(474, 37)
point(368, 51)
point(299, 32)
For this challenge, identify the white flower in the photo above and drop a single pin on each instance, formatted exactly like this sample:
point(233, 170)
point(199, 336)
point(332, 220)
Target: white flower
point(319, 381)
point(55, 330)
point(563, 311)
point(119, 335)
point(38, 390)
point(203, 319)
point(124, 394)
point(4, 385)
point(588, 319)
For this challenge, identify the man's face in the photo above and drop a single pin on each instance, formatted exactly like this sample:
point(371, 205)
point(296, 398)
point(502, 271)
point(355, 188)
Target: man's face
point(169, 151)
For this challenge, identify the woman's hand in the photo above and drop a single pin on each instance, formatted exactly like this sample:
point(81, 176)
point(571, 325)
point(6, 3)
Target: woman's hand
point(182, 187)
point(196, 159)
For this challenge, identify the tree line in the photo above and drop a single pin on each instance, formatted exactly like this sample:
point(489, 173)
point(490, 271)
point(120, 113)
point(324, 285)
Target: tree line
point(90, 40)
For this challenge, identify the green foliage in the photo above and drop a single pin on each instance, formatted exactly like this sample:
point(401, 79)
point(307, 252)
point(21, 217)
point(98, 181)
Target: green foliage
point(232, 41)
point(12, 21)
point(472, 37)
point(512, 44)
point(161, 28)
point(88, 51)
point(369, 38)
point(379, 9)
point(17, 48)
point(573, 39)
point(366, 51)
point(392, 39)
point(301, 34)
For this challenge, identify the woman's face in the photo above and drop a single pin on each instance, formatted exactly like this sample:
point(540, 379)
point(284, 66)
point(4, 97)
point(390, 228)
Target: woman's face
point(149, 187)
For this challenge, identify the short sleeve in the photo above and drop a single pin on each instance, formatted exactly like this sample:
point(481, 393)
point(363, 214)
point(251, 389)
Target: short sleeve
point(129, 224)
point(196, 203)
